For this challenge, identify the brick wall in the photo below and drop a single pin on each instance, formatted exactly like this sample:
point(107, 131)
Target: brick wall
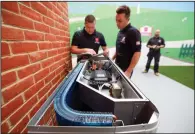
point(35, 57)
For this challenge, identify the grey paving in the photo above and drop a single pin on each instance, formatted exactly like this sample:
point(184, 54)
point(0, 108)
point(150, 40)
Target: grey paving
point(174, 101)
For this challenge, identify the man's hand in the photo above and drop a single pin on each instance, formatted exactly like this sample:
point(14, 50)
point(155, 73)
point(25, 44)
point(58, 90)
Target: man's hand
point(158, 47)
point(106, 52)
point(128, 73)
point(91, 51)
point(154, 46)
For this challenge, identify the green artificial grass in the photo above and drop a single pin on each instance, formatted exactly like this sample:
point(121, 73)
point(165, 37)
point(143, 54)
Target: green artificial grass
point(174, 53)
point(181, 74)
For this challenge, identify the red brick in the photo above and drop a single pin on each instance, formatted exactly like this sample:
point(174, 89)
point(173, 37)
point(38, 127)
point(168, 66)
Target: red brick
point(57, 58)
point(60, 80)
point(34, 110)
point(28, 12)
point(4, 49)
point(14, 61)
point(16, 20)
point(33, 90)
point(57, 45)
point(62, 33)
point(24, 109)
point(65, 44)
point(66, 54)
point(23, 47)
point(24, 72)
point(50, 14)
point(47, 4)
point(37, 106)
point(9, 33)
point(8, 79)
point(54, 8)
point(42, 100)
point(52, 53)
point(45, 45)
point(59, 6)
point(44, 90)
point(67, 49)
point(29, 35)
point(54, 31)
point(37, 56)
point(22, 124)
point(66, 39)
point(30, 92)
point(50, 123)
point(48, 21)
point(4, 127)
point(47, 62)
point(49, 77)
point(25, 131)
point(47, 116)
point(26, 3)
point(41, 74)
point(59, 70)
point(51, 91)
point(11, 6)
point(50, 37)
point(64, 16)
point(39, 85)
point(61, 50)
point(17, 89)
point(60, 20)
point(41, 122)
point(54, 3)
point(8, 108)
point(53, 16)
point(60, 38)
point(39, 7)
point(59, 26)
point(41, 27)
point(54, 66)
point(65, 27)
point(67, 34)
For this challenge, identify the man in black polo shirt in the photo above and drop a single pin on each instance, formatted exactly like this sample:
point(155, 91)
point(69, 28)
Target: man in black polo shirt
point(128, 43)
point(88, 40)
point(155, 43)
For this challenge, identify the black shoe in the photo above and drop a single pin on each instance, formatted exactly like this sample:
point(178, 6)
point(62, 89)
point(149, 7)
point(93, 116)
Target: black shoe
point(145, 71)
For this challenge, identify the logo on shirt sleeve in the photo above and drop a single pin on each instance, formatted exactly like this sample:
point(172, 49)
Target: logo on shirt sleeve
point(97, 41)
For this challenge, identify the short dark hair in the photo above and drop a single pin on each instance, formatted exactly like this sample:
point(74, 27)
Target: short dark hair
point(89, 19)
point(124, 9)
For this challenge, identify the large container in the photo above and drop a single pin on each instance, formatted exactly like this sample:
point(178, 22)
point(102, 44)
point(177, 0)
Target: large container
point(135, 112)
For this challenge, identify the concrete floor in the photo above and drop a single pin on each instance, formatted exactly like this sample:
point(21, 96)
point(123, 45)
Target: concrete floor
point(174, 101)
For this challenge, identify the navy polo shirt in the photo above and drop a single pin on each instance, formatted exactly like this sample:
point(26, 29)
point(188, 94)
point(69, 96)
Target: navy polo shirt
point(128, 42)
point(84, 40)
point(155, 41)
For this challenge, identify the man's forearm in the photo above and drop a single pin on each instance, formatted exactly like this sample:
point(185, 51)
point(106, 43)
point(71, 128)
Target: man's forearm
point(134, 61)
point(114, 56)
point(78, 50)
point(149, 46)
point(161, 46)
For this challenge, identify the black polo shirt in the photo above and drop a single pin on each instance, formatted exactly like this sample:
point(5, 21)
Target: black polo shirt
point(84, 40)
point(128, 42)
point(155, 41)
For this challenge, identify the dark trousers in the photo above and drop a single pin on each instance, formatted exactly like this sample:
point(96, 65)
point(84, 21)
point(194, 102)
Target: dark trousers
point(156, 62)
